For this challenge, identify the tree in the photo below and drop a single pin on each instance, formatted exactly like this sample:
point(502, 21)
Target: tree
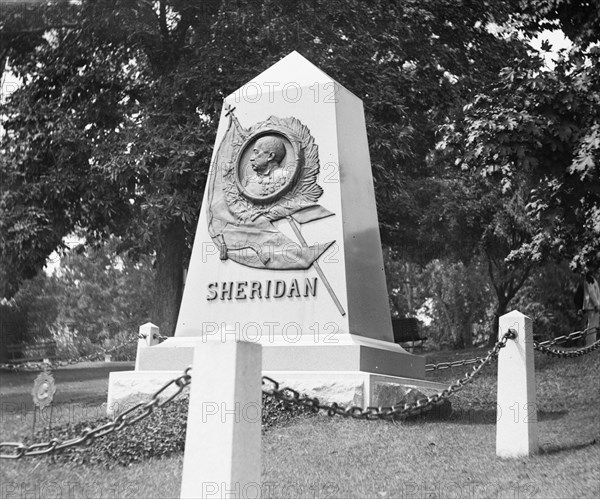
point(93, 295)
point(39, 299)
point(90, 95)
point(101, 295)
point(23, 25)
point(112, 130)
point(543, 125)
point(458, 297)
point(532, 139)
point(548, 298)
point(505, 234)
point(401, 279)
point(473, 219)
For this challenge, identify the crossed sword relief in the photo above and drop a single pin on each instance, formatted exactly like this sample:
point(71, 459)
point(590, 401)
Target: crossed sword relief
point(316, 265)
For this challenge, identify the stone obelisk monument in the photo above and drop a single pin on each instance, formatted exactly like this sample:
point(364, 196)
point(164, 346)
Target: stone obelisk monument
point(287, 251)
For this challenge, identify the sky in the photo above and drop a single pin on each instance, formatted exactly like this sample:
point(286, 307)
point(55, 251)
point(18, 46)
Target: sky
point(557, 40)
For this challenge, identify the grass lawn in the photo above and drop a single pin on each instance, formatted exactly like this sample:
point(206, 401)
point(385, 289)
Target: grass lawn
point(320, 457)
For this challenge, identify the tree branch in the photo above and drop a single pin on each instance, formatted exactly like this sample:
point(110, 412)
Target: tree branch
point(39, 31)
point(522, 280)
point(181, 31)
point(491, 272)
point(3, 62)
point(162, 20)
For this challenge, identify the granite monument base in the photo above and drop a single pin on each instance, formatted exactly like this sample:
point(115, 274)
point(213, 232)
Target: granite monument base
point(356, 388)
point(361, 371)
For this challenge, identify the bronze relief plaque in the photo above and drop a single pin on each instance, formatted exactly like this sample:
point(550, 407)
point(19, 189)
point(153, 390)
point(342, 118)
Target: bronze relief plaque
point(261, 174)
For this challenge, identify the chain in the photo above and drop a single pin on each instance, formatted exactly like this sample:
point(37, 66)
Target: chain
point(554, 352)
point(126, 418)
point(545, 346)
point(559, 340)
point(53, 364)
point(31, 366)
point(154, 336)
point(541, 347)
point(447, 365)
point(291, 396)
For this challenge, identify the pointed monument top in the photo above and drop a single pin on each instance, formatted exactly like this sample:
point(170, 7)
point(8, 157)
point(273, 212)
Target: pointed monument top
point(294, 69)
point(515, 314)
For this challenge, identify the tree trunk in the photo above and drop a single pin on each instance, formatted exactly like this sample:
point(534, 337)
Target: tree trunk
point(3, 61)
point(169, 277)
point(501, 309)
point(467, 336)
point(507, 284)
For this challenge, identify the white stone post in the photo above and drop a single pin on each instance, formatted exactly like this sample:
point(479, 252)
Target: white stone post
point(516, 427)
point(148, 336)
point(222, 444)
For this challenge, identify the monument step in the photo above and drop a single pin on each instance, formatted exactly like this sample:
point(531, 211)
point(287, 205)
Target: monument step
point(371, 356)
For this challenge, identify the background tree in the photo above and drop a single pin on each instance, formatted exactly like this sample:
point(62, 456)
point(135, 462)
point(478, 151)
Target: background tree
point(113, 128)
point(91, 299)
point(543, 125)
point(402, 279)
point(532, 139)
point(548, 298)
point(102, 296)
point(23, 25)
point(458, 296)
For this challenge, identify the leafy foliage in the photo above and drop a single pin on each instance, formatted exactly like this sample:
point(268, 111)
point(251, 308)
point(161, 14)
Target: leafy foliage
point(459, 296)
point(528, 147)
point(103, 295)
point(539, 128)
point(92, 300)
point(113, 128)
point(160, 434)
point(548, 298)
point(112, 131)
point(580, 21)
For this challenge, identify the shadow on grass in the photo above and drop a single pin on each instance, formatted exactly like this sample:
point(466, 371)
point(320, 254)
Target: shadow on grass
point(555, 448)
point(488, 416)
point(551, 415)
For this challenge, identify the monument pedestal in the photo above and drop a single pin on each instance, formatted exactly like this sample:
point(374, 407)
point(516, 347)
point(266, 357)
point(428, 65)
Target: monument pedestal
point(359, 371)
point(357, 388)
point(128, 388)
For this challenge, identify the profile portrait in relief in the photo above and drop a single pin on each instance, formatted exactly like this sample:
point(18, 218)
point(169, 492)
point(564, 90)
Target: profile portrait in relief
point(266, 171)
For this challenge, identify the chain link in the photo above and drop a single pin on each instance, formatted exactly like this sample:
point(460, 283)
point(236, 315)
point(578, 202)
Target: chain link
point(559, 340)
point(53, 364)
point(554, 352)
point(540, 347)
point(129, 417)
point(291, 396)
point(448, 365)
point(154, 336)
